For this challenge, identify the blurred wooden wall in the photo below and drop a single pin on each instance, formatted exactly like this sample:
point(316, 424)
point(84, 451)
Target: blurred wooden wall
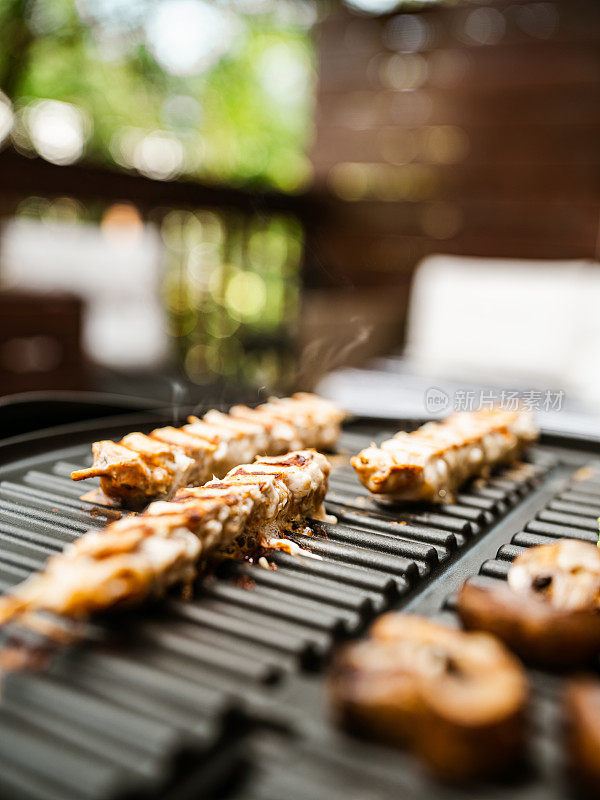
point(40, 342)
point(472, 130)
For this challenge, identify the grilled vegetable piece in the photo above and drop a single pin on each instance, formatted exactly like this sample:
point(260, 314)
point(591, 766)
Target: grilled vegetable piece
point(455, 699)
point(549, 612)
point(139, 556)
point(432, 462)
point(582, 718)
point(140, 468)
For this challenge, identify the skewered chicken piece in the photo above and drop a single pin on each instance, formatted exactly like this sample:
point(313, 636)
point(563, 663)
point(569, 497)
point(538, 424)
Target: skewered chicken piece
point(549, 612)
point(141, 556)
point(140, 467)
point(433, 461)
point(582, 717)
point(455, 699)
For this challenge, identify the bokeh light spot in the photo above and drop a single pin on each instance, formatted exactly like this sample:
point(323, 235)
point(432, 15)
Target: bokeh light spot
point(485, 26)
point(6, 117)
point(187, 36)
point(58, 130)
point(441, 220)
point(246, 295)
point(158, 155)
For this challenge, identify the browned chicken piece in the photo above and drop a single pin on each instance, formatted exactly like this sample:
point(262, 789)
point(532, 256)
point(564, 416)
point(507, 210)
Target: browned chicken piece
point(549, 612)
point(142, 555)
point(582, 718)
point(432, 462)
point(280, 432)
point(455, 699)
point(140, 468)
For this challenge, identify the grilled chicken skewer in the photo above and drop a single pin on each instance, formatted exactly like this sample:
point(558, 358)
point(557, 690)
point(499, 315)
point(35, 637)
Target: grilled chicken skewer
point(432, 462)
point(455, 699)
point(140, 468)
point(141, 556)
point(549, 612)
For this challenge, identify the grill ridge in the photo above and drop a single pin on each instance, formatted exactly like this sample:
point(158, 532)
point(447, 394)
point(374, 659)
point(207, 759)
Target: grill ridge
point(189, 677)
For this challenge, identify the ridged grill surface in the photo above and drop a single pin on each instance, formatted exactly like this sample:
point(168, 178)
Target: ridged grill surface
point(164, 700)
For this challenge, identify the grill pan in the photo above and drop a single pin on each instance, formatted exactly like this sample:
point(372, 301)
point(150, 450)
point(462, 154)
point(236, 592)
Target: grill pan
point(224, 695)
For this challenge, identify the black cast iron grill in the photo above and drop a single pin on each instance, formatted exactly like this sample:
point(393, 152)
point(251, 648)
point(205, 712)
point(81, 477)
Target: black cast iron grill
point(178, 699)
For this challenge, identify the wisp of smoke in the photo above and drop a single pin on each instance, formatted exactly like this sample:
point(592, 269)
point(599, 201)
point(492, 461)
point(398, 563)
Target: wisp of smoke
point(321, 355)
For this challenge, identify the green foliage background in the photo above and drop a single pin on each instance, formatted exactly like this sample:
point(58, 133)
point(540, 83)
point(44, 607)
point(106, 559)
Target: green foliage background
point(241, 134)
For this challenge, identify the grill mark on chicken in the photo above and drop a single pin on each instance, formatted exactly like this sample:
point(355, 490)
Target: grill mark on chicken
point(140, 468)
point(142, 555)
point(432, 462)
